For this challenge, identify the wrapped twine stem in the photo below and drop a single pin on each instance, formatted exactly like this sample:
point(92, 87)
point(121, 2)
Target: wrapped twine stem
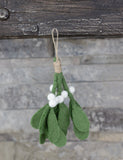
point(57, 63)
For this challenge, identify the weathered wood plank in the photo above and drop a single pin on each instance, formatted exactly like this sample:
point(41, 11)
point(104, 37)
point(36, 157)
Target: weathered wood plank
point(88, 94)
point(90, 47)
point(7, 151)
point(106, 123)
point(87, 18)
point(66, 61)
point(97, 136)
point(25, 48)
point(90, 50)
point(78, 151)
point(39, 71)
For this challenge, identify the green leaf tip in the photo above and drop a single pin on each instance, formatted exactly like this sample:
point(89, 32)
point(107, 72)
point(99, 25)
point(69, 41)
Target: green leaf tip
point(35, 120)
point(53, 128)
point(81, 123)
point(63, 117)
point(55, 134)
point(81, 135)
point(43, 120)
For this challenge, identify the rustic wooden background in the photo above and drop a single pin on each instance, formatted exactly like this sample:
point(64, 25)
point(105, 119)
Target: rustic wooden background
point(72, 17)
point(93, 66)
point(91, 50)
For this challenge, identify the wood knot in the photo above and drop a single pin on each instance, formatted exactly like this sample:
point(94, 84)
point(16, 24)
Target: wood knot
point(4, 14)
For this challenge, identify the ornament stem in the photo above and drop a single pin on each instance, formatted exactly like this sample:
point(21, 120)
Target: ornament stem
point(66, 88)
point(54, 83)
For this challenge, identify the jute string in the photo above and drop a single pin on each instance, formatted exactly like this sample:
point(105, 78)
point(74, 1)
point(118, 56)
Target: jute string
point(57, 63)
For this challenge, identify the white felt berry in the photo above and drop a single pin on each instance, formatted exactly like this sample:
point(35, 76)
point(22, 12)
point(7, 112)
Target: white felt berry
point(51, 96)
point(72, 89)
point(57, 99)
point(52, 103)
point(51, 87)
point(64, 94)
point(55, 93)
point(60, 99)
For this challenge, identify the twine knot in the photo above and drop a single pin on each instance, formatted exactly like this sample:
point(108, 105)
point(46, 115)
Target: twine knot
point(57, 66)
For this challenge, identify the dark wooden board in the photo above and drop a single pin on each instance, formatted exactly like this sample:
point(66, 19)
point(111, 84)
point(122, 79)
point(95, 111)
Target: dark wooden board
point(33, 18)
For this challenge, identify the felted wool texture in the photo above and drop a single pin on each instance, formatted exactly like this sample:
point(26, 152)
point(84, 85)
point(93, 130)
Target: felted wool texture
point(59, 83)
point(55, 134)
point(82, 125)
point(53, 128)
point(42, 138)
point(58, 86)
point(61, 140)
point(80, 119)
point(80, 135)
point(44, 135)
point(53, 122)
point(43, 120)
point(36, 118)
point(56, 109)
point(70, 109)
point(63, 117)
point(66, 87)
point(54, 83)
point(78, 116)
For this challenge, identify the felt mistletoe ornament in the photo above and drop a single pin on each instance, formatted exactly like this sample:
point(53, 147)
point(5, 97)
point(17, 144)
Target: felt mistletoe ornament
point(53, 119)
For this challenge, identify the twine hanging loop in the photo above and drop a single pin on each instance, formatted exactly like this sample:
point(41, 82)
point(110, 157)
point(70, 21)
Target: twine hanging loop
point(57, 63)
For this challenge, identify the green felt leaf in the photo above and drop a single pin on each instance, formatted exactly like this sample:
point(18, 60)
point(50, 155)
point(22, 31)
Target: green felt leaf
point(43, 120)
point(80, 119)
point(70, 109)
point(42, 138)
point(53, 128)
point(80, 135)
point(56, 110)
point(63, 117)
point(61, 140)
point(36, 118)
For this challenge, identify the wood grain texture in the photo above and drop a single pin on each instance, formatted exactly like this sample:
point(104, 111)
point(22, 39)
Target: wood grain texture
point(25, 48)
point(105, 124)
point(34, 71)
point(91, 50)
point(90, 47)
point(88, 94)
point(86, 18)
point(101, 136)
point(72, 151)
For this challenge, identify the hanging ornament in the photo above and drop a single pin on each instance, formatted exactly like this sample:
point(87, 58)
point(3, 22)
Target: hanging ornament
point(53, 119)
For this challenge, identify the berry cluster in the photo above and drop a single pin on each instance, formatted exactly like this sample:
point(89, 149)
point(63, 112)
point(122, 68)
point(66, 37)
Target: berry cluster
point(54, 100)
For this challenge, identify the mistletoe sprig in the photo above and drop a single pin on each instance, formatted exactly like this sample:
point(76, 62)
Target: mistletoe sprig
point(53, 119)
